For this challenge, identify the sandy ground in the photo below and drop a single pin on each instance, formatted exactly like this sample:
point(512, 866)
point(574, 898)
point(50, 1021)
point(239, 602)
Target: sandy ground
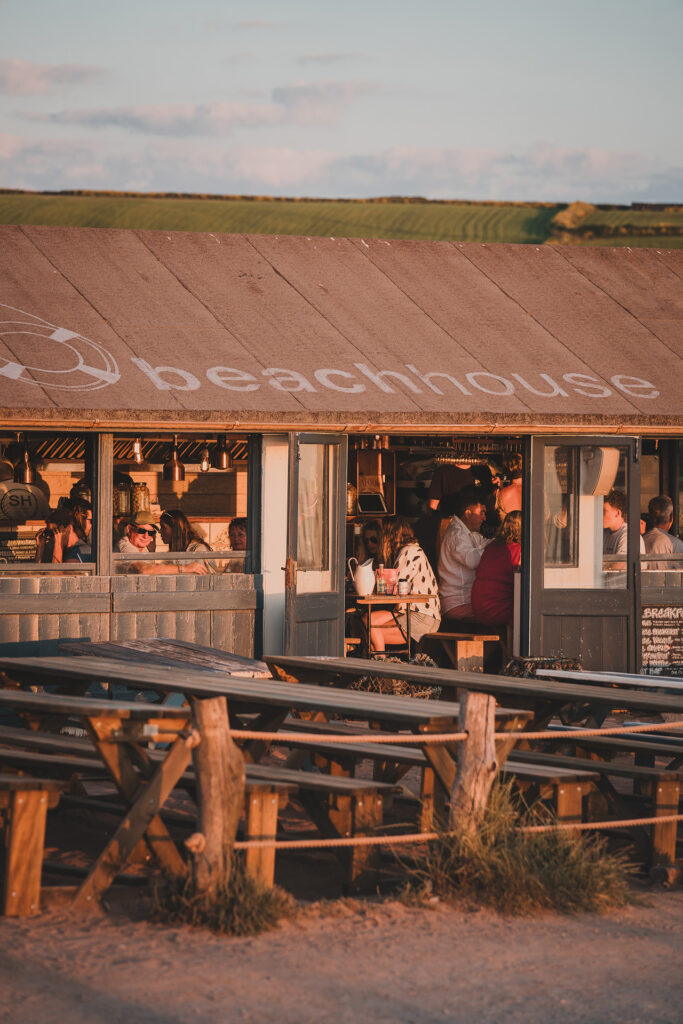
point(351, 962)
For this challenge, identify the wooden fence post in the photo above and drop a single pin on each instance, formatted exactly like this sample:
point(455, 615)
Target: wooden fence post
point(477, 763)
point(219, 772)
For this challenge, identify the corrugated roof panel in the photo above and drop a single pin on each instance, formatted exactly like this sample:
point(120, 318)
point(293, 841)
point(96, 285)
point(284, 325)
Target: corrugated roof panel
point(588, 321)
point(130, 326)
point(501, 336)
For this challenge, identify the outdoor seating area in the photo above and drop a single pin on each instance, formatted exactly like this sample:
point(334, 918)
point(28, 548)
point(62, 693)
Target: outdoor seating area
point(323, 761)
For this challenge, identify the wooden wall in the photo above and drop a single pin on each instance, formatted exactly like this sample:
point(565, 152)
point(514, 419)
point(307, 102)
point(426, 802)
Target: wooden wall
point(217, 610)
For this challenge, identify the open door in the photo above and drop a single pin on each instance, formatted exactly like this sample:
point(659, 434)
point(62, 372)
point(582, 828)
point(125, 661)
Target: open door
point(583, 577)
point(316, 538)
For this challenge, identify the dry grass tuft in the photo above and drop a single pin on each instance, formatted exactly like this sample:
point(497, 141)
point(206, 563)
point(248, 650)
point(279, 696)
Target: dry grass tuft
point(241, 905)
point(522, 873)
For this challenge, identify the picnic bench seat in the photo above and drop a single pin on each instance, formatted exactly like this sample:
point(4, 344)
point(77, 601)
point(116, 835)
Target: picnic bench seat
point(24, 803)
point(338, 805)
point(664, 784)
point(645, 747)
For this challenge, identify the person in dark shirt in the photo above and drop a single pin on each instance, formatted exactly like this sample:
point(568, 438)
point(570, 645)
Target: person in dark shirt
point(493, 587)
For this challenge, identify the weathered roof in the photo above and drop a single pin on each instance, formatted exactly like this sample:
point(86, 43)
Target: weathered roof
point(111, 327)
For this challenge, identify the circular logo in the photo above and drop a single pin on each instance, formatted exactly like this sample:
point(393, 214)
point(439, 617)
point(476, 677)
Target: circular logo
point(52, 357)
point(20, 502)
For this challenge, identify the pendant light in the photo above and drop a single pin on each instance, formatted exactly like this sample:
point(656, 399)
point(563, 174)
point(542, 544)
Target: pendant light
point(173, 468)
point(6, 467)
point(137, 450)
point(221, 456)
point(204, 459)
point(24, 473)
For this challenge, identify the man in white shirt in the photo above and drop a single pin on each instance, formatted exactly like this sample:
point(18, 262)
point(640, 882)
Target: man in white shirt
point(460, 554)
point(658, 540)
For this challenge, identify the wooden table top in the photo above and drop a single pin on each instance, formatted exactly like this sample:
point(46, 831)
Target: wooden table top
point(395, 599)
point(411, 712)
point(672, 683)
point(537, 690)
point(84, 707)
point(172, 652)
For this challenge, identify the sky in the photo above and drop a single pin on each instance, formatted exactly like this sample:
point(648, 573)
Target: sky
point(544, 100)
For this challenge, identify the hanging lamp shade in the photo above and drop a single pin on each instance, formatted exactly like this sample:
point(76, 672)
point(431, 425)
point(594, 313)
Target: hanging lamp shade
point(6, 467)
point(221, 456)
point(173, 468)
point(24, 473)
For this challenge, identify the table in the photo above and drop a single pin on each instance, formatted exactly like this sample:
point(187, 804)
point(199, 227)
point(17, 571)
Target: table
point(120, 732)
point(172, 652)
point(393, 602)
point(273, 699)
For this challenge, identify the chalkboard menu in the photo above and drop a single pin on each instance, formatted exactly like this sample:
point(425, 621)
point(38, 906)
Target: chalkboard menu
point(662, 628)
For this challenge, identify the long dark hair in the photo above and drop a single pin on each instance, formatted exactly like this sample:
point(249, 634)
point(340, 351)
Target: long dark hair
point(397, 532)
point(182, 531)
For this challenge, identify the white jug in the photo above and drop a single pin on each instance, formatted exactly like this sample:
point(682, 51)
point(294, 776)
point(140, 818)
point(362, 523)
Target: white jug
point(363, 577)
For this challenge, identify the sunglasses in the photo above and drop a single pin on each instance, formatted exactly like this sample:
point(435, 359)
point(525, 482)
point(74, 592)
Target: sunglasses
point(371, 540)
point(141, 529)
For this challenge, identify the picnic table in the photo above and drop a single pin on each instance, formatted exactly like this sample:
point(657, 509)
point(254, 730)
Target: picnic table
point(543, 697)
point(120, 732)
point(171, 652)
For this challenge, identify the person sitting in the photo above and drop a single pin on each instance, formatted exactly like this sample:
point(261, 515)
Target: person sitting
point(401, 551)
point(371, 538)
point(59, 541)
point(238, 533)
point(461, 553)
point(178, 533)
point(659, 540)
point(493, 587)
point(139, 533)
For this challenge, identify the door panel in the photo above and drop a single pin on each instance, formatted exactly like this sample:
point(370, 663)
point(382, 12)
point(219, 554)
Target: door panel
point(584, 551)
point(314, 584)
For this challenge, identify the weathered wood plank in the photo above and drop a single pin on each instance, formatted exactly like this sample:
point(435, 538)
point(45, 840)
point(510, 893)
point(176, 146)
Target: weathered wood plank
point(24, 852)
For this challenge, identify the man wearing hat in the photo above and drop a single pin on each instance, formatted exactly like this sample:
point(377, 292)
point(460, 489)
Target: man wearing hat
point(138, 536)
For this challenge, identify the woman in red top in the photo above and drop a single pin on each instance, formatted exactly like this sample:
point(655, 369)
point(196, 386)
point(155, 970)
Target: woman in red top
point(493, 587)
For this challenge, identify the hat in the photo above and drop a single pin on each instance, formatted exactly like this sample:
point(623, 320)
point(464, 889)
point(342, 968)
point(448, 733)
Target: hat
point(143, 519)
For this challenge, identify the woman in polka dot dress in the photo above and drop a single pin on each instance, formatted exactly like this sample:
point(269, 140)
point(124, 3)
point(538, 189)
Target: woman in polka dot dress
point(401, 551)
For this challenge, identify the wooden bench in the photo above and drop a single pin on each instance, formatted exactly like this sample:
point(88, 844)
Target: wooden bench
point(24, 803)
point(564, 787)
point(645, 747)
point(664, 785)
point(338, 806)
point(462, 651)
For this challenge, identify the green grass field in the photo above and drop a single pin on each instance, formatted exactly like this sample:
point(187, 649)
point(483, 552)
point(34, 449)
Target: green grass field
point(466, 223)
point(638, 218)
point(476, 222)
point(638, 241)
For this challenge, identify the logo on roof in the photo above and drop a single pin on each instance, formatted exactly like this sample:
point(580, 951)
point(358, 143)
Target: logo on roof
point(34, 351)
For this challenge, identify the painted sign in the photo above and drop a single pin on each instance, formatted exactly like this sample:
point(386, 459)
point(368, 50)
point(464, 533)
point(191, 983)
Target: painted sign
point(662, 639)
point(58, 358)
point(21, 502)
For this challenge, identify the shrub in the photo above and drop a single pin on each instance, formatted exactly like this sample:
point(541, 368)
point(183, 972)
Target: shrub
point(518, 872)
point(240, 906)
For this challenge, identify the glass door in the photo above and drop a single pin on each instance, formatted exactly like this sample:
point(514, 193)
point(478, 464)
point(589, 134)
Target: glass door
point(314, 575)
point(584, 545)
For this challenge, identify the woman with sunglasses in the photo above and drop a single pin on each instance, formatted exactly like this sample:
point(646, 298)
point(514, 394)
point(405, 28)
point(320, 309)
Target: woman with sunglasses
point(371, 539)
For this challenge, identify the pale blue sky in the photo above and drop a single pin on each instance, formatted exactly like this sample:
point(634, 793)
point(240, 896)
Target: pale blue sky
point(537, 99)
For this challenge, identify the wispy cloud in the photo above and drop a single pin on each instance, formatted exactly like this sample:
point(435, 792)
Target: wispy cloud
point(543, 173)
point(23, 78)
point(327, 58)
point(321, 103)
point(255, 24)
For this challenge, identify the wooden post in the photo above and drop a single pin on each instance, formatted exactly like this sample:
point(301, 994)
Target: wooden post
point(219, 770)
point(477, 763)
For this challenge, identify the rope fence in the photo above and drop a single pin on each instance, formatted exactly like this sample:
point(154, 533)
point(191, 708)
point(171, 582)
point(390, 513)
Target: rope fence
point(418, 739)
point(425, 837)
